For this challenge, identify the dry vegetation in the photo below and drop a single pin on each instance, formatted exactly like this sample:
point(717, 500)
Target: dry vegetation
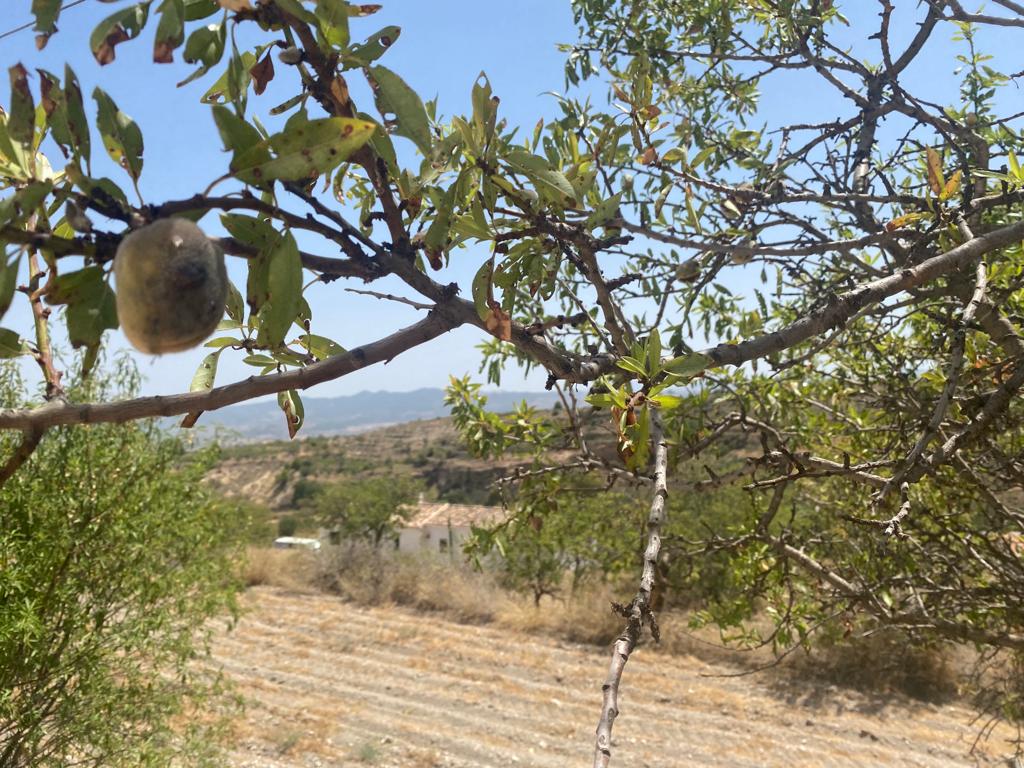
point(427, 663)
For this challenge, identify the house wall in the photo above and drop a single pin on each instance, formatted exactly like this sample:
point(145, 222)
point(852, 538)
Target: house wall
point(410, 540)
point(430, 538)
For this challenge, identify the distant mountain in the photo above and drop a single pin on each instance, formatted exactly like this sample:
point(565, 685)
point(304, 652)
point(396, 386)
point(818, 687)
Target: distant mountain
point(352, 414)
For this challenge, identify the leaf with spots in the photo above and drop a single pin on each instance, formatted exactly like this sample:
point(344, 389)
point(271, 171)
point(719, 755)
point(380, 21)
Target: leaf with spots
point(365, 54)
point(206, 372)
point(291, 404)
point(46, 12)
point(284, 286)
point(22, 118)
point(320, 347)
point(170, 31)
point(122, 136)
point(332, 17)
point(304, 153)
point(124, 25)
point(395, 97)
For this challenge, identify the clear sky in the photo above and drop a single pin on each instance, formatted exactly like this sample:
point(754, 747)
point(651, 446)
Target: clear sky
point(443, 46)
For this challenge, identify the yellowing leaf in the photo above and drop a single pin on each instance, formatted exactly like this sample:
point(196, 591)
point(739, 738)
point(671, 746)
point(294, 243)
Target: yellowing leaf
point(902, 221)
point(935, 178)
point(306, 152)
point(952, 186)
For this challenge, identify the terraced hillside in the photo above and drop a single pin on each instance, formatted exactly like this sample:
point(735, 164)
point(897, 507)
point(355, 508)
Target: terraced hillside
point(331, 684)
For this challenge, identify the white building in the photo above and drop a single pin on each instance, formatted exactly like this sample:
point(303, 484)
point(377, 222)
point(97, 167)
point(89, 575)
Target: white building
point(443, 527)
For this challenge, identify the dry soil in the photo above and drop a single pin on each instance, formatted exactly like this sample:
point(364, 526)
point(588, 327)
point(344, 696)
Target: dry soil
point(331, 684)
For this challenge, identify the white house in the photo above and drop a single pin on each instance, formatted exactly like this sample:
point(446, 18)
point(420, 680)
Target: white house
point(443, 527)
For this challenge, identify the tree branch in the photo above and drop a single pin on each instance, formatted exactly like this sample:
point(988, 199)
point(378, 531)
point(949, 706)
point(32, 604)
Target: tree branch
point(439, 321)
point(639, 610)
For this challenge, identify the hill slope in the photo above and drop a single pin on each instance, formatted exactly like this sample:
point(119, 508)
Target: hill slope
point(331, 684)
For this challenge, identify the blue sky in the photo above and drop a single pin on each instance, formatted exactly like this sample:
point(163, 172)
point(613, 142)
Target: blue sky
point(444, 45)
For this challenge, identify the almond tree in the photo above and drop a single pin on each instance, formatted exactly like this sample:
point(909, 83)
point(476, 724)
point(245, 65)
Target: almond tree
point(842, 293)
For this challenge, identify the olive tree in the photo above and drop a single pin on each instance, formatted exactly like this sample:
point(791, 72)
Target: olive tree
point(839, 293)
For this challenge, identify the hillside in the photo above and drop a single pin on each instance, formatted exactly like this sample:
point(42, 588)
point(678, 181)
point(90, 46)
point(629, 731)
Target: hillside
point(279, 473)
point(350, 414)
point(328, 683)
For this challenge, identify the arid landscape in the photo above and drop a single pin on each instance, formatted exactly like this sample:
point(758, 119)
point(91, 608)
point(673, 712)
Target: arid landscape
point(327, 683)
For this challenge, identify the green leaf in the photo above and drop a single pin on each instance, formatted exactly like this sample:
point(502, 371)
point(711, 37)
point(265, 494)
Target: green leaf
point(22, 119)
point(206, 372)
point(633, 365)
point(78, 124)
point(259, 360)
point(235, 78)
point(259, 233)
point(315, 148)
point(200, 9)
point(482, 288)
point(54, 107)
point(332, 16)
point(15, 161)
point(46, 12)
point(654, 353)
point(485, 106)
point(365, 54)
point(320, 347)
point(90, 315)
point(601, 400)
point(223, 341)
point(124, 25)
point(294, 8)
point(24, 202)
point(170, 31)
point(8, 281)
point(284, 284)
point(238, 135)
point(234, 307)
point(687, 366)
point(549, 183)
point(205, 45)
point(11, 344)
point(287, 104)
point(122, 137)
point(604, 211)
point(72, 287)
point(395, 97)
point(436, 239)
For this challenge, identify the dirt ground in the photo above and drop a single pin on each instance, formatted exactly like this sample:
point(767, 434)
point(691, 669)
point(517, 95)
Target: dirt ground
point(330, 684)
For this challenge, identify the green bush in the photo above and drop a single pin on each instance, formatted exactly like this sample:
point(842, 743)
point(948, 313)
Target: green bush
point(113, 560)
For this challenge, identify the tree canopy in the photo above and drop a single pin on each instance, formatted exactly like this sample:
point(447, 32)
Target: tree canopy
point(835, 297)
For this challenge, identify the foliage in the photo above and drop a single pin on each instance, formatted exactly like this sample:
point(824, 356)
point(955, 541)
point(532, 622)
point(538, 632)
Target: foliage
point(367, 509)
point(113, 560)
point(832, 291)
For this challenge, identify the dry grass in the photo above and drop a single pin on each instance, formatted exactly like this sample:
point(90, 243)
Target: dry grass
point(286, 568)
point(879, 663)
point(884, 661)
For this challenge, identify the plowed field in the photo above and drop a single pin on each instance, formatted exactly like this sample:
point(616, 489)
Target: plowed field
point(330, 684)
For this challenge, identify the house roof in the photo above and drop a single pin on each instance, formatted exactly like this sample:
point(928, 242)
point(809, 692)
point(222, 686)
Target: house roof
point(442, 513)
